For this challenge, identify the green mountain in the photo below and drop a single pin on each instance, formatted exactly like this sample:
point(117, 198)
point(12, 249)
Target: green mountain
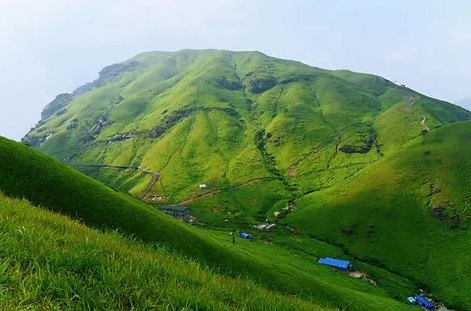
point(357, 165)
point(49, 260)
point(225, 118)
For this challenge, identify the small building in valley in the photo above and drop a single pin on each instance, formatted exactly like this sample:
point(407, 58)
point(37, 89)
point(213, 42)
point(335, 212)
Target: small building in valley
point(180, 212)
point(342, 265)
point(424, 302)
point(246, 235)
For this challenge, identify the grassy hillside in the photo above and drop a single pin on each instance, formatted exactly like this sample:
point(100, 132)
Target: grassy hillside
point(49, 262)
point(27, 173)
point(226, 118)
point(408, 213)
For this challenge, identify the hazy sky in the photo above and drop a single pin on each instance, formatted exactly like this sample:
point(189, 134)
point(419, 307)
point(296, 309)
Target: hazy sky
point(49, 47)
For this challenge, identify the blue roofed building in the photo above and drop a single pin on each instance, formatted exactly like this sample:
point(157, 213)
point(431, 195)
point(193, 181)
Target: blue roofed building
point(246, 235)
point(424, 302)
point(342, 265)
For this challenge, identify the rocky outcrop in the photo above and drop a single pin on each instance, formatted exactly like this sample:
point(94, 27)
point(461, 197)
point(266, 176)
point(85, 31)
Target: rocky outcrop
point(120, 137)
point(100, 123)
point(222, 82)
point(36, 141)
point(363, 146)
point(57, 105)
point(261, 85)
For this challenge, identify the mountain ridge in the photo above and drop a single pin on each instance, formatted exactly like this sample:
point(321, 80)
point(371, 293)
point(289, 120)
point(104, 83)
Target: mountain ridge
point(465, 103)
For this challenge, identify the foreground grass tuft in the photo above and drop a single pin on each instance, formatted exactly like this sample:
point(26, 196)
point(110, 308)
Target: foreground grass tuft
point(49, 262)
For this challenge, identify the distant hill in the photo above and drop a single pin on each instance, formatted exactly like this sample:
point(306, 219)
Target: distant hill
point(339, 157)
point(465, 103)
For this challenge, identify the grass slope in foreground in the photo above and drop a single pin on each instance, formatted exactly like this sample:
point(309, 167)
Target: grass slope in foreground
point(49, 262)
point(46, 182)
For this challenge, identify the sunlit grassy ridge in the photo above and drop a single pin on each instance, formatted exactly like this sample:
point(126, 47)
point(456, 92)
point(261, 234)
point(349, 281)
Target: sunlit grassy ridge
point(27, 173)
point(49, 262)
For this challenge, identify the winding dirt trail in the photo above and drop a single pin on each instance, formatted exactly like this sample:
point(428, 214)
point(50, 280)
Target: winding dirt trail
point(149, 187)
point(124, 167)
point(424, 126)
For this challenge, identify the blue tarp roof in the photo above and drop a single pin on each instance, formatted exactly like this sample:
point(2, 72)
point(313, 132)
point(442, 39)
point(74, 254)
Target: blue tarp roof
point(245, 235)
point(427, 303)
point(342, 264)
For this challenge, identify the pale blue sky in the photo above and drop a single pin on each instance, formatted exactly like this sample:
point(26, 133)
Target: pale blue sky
point(52, 46)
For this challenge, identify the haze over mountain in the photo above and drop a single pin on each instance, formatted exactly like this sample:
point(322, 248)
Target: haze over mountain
point(352, 161)
point(465, 103)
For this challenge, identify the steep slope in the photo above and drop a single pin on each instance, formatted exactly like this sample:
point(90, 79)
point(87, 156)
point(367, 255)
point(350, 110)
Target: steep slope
point(49, 262)
point(415, 202)
point(25, 172)
point(226, 118)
